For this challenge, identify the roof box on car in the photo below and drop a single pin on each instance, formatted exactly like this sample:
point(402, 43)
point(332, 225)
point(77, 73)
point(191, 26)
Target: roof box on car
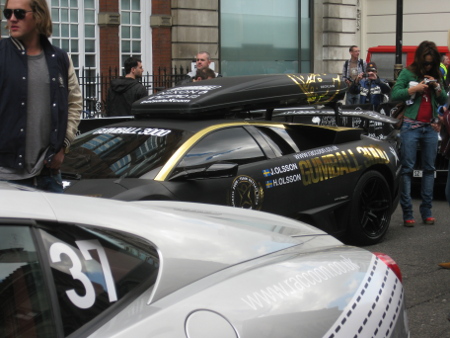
point(219, 96)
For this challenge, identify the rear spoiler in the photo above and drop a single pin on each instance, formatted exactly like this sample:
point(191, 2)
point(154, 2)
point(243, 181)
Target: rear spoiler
point(341, 113)
point(337, 111)
point(375, 124)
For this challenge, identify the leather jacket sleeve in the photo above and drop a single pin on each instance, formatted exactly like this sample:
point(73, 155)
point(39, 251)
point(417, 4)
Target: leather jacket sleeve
point(75, 106)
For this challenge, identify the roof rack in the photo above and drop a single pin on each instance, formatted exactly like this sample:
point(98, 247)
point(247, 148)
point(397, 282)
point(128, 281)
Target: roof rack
point(226, 95)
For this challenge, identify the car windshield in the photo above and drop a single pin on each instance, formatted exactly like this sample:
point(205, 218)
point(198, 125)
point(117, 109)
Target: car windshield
point(113, 152)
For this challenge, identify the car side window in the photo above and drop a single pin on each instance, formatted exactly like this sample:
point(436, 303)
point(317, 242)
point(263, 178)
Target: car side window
point(25, 309)
point(279, 140)
point(95, 269)
point(230, 144)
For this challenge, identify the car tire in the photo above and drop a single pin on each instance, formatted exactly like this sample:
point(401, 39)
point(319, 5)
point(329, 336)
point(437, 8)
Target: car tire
point(370, 212)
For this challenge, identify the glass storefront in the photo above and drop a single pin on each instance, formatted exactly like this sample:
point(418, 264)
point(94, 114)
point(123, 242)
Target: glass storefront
point(265, 36)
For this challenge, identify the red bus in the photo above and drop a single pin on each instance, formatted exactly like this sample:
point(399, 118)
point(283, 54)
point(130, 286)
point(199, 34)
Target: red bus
point(384, 57)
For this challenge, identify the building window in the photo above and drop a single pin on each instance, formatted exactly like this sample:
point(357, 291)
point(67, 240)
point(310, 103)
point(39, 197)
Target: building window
point(130, 29)
point(262, 37)
point(75, 31)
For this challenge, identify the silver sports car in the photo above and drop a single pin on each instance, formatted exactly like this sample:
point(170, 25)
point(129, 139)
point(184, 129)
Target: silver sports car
point(88, 267)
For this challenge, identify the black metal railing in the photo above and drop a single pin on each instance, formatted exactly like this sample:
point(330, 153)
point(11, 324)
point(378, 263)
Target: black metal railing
point(94, 86)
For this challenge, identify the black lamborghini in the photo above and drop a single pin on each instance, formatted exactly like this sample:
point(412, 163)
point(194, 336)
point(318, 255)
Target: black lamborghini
point(201, 143)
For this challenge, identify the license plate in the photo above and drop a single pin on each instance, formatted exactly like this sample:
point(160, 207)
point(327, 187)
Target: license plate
point(418, 173)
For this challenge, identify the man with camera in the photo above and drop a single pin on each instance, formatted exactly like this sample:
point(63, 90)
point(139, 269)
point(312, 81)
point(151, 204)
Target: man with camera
point(371, 87)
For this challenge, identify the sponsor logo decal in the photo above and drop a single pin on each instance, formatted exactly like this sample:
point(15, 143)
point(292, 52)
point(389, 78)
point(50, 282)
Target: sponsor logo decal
point(375, 308)
point(280, 170)
point(315, 152)
point(299, 282)
point(326, 163)
point(282, 180)
point(326, 121)
point(246, 193)
point(329, 166)
point(133, 131)
point(310, 84)
point(328, 86)
point(179, 94)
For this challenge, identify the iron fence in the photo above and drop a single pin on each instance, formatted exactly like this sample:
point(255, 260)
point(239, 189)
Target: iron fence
point(94, 86)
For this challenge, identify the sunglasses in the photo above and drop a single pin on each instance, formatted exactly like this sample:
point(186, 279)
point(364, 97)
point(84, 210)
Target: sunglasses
point(18, 13)
point(426, 63)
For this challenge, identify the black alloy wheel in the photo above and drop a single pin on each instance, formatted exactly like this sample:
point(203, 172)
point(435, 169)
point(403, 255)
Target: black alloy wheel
point(370, 213)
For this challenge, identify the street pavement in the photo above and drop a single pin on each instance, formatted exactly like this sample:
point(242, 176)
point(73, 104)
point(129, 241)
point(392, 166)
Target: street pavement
point(418, 251)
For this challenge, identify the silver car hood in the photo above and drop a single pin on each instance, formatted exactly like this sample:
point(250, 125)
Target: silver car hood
point(193, 240)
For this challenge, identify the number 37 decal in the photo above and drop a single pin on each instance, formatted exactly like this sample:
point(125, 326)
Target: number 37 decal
point(86, 301)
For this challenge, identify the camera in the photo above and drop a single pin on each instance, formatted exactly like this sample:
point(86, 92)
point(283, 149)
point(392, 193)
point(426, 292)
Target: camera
point(427, 81)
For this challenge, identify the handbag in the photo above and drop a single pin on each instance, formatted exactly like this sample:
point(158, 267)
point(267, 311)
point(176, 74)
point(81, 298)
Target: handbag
point(398, 112)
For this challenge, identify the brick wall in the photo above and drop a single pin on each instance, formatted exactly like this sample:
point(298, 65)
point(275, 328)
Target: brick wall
point(109, 39)
point(161, 37)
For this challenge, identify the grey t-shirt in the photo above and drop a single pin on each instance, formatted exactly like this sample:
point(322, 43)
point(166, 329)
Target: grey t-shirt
point(38, 121)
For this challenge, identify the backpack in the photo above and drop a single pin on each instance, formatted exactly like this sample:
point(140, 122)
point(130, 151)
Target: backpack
point(354, 88)
point(360, 63)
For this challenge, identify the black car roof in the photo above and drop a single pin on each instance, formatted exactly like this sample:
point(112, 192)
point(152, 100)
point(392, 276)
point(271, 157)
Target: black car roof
point(221, 96)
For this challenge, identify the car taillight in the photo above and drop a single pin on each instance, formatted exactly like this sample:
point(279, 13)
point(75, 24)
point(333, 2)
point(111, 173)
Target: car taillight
point(390, 263)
